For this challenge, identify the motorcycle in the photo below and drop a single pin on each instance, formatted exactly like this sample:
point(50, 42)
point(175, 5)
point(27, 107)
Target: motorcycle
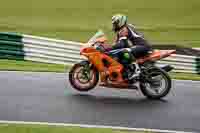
point(100, 67)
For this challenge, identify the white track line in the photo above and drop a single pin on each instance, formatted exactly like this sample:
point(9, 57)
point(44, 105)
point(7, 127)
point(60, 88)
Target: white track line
point(92, 126)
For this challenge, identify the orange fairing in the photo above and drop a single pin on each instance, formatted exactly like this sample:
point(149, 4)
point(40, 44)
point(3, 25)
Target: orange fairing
point(88, 50)
point(156, 55)
point(96, 58)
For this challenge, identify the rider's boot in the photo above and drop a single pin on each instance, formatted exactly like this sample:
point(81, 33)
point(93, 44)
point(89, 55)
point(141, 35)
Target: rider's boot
point(134, 71)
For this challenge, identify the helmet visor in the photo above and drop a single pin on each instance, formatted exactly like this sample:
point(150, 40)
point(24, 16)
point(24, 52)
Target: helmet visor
point(115, 25)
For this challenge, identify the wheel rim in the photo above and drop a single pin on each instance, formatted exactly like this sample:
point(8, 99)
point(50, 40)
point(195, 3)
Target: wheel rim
point(159, 84)
point(81, 80)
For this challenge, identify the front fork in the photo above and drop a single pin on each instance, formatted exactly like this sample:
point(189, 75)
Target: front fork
point(86, 69)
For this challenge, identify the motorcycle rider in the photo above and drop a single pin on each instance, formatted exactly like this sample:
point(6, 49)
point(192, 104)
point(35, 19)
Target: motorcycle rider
point(133, 44)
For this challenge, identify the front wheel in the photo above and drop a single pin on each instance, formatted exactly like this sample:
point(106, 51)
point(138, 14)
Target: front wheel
point(156, 84)
point(83, 77)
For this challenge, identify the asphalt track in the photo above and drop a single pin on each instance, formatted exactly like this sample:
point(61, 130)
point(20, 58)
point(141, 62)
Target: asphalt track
point(48, 97)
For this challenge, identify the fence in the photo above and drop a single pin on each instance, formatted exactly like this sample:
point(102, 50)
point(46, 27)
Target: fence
point(40, 49)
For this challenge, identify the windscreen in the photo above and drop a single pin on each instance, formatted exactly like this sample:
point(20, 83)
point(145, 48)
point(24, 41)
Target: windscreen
point(97, 35)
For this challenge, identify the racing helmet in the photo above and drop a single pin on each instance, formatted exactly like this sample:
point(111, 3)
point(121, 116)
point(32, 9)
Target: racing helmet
point(118, 21)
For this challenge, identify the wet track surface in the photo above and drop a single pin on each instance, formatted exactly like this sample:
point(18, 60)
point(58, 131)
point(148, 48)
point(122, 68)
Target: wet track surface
point(48, 97)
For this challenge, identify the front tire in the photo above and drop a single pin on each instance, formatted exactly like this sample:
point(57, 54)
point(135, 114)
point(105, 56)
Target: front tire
point(148, 86)
point(78, 71)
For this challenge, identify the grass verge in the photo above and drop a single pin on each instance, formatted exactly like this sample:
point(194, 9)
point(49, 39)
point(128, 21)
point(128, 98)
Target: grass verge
point(171, 21)
point(19, 65)
point(21, 128)
point(185, 76)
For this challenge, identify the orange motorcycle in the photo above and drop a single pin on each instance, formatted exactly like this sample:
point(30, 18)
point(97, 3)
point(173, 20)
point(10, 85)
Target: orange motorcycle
point(101, 67)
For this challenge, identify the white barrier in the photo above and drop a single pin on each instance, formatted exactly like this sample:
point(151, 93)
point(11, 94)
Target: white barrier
point(67, 52)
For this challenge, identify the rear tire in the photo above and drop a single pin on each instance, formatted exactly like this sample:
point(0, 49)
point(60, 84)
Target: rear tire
point(167, 80)
point(76, 82)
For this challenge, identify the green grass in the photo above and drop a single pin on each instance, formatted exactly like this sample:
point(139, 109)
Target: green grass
point(20, 65)
point(185, 76)
point(17, 128)
point(13, 65)
point(162, 21)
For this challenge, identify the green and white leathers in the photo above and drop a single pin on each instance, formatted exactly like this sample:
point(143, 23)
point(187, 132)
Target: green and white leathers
point(118, 21)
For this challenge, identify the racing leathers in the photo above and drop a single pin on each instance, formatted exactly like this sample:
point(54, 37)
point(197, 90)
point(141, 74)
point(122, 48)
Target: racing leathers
point(135, 46)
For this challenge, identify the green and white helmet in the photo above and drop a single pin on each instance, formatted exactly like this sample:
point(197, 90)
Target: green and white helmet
point(118, 21)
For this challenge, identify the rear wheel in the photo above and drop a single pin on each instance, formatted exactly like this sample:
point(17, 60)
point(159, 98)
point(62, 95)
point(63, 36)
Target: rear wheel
point(156, 84)
point(82, 77)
